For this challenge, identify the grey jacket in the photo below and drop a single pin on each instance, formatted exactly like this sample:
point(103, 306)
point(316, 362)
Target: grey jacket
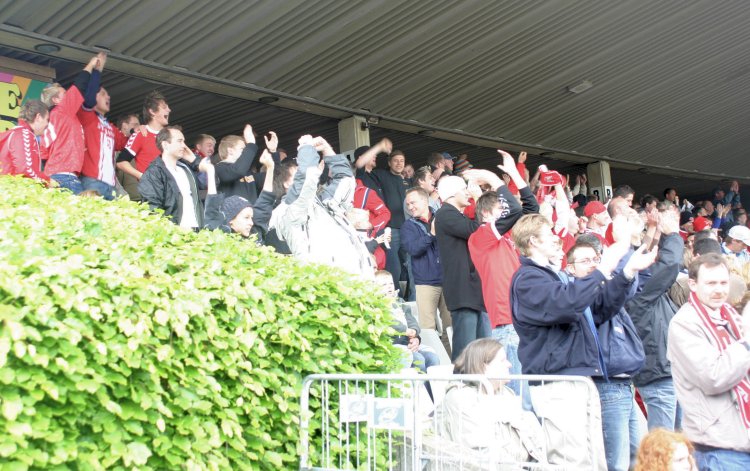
point(703, 380)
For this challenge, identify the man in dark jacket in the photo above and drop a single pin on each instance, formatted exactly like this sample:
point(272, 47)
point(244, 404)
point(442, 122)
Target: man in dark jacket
point(169, 182)
point(421, 244)
point(461, 285)
point(651, 310)
point(556, 322)
point(621, 356)
point(235, 213)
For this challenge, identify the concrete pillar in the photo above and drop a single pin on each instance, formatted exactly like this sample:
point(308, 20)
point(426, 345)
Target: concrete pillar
point(600, 180)
point(353, 134)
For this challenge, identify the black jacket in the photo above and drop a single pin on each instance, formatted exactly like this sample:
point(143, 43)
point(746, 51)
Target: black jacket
point(461, 284)
point(651, 310)
point(159, 189)
point(236, 178)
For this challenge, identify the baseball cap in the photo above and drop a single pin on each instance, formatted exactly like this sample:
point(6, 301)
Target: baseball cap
point(740, 233)
point(594, 207)
point(700, 223)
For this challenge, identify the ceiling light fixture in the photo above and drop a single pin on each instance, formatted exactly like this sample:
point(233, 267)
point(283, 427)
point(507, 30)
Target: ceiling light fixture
point(47, 48)
point(267, 100)
point(580, 87)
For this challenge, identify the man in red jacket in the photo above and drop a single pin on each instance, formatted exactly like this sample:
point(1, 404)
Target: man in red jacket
point(63, 145)
point(19, 150)
point(494, 254)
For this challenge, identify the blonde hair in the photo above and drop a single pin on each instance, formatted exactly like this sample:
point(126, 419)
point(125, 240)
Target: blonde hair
point(227, 143)
point(529, 225)
point(204, 137)
point(49, 92)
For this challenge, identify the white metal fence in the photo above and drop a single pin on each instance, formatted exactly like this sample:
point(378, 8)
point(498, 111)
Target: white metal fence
point(448, 422)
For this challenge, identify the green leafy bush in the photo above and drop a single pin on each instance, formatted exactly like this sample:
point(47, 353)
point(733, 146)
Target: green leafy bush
point(129, 343)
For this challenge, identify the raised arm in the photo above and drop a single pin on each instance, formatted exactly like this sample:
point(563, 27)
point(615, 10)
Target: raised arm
point(385, 146)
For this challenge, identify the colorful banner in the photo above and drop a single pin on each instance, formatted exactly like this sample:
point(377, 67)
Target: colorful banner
point(14, 91)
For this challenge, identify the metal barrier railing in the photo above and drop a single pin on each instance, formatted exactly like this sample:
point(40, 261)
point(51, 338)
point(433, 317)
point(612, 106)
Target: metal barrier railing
point(448, 422)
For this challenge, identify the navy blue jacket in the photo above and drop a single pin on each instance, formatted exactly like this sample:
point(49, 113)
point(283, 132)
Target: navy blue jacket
point(422, 246)
point(555, 337)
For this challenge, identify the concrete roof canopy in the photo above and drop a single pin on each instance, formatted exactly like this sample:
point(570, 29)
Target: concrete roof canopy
point(658, 89)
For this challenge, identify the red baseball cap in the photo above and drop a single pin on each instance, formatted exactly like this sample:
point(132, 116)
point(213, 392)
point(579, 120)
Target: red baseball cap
point(594, 207)
point(700, 223)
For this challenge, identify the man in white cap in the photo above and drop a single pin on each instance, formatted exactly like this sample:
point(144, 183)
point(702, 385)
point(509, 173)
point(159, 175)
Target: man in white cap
point(736, 243)
point(462, 287)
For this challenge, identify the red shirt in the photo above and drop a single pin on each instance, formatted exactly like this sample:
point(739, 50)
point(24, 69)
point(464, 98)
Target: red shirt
point(380, 215)
point(62, 144)
point(143, 148)
point(102, 139)
point(496, 259)
point(366, 198)
point(19, 152)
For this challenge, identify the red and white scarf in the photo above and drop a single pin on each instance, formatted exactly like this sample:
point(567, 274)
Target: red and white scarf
point(721, 338)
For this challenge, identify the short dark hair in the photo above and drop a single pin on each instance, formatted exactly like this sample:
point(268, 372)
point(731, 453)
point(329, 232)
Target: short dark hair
point(421, 173)
point(435, 159)
point(124, 118)
point(667, 190)
point(622, 191)
point(151, 103)
point(648, 199)
point(281, 174)
point(418, 191)
point(588, 238)
point(165, 135)
point(582, 244)
point(706, 245)
point(709, 260)
point(31, 108)
point(485, 203)
point(395, 153)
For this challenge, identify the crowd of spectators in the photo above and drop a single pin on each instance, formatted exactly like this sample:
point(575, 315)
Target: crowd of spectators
point(638, 294)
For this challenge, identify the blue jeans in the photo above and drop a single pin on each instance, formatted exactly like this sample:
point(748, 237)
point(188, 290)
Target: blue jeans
point(424, 359)
point(69, 182)
point(722, 460)
point(107, 191)
point(661, 404)
point(392, 260)
point(616, 398)
point(636, 431)
point(468, 325)
point(506, 335)
point(411, 286)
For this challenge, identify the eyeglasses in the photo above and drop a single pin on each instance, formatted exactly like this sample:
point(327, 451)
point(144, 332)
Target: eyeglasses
point(587, 261)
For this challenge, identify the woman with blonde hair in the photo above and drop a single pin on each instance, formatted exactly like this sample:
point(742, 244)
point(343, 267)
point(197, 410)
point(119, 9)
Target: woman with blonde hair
point(662, 450)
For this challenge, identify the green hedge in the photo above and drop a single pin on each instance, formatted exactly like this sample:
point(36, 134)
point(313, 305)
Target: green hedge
point(128, 343)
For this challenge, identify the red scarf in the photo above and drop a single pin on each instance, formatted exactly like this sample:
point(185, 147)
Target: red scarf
point(721, 338)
